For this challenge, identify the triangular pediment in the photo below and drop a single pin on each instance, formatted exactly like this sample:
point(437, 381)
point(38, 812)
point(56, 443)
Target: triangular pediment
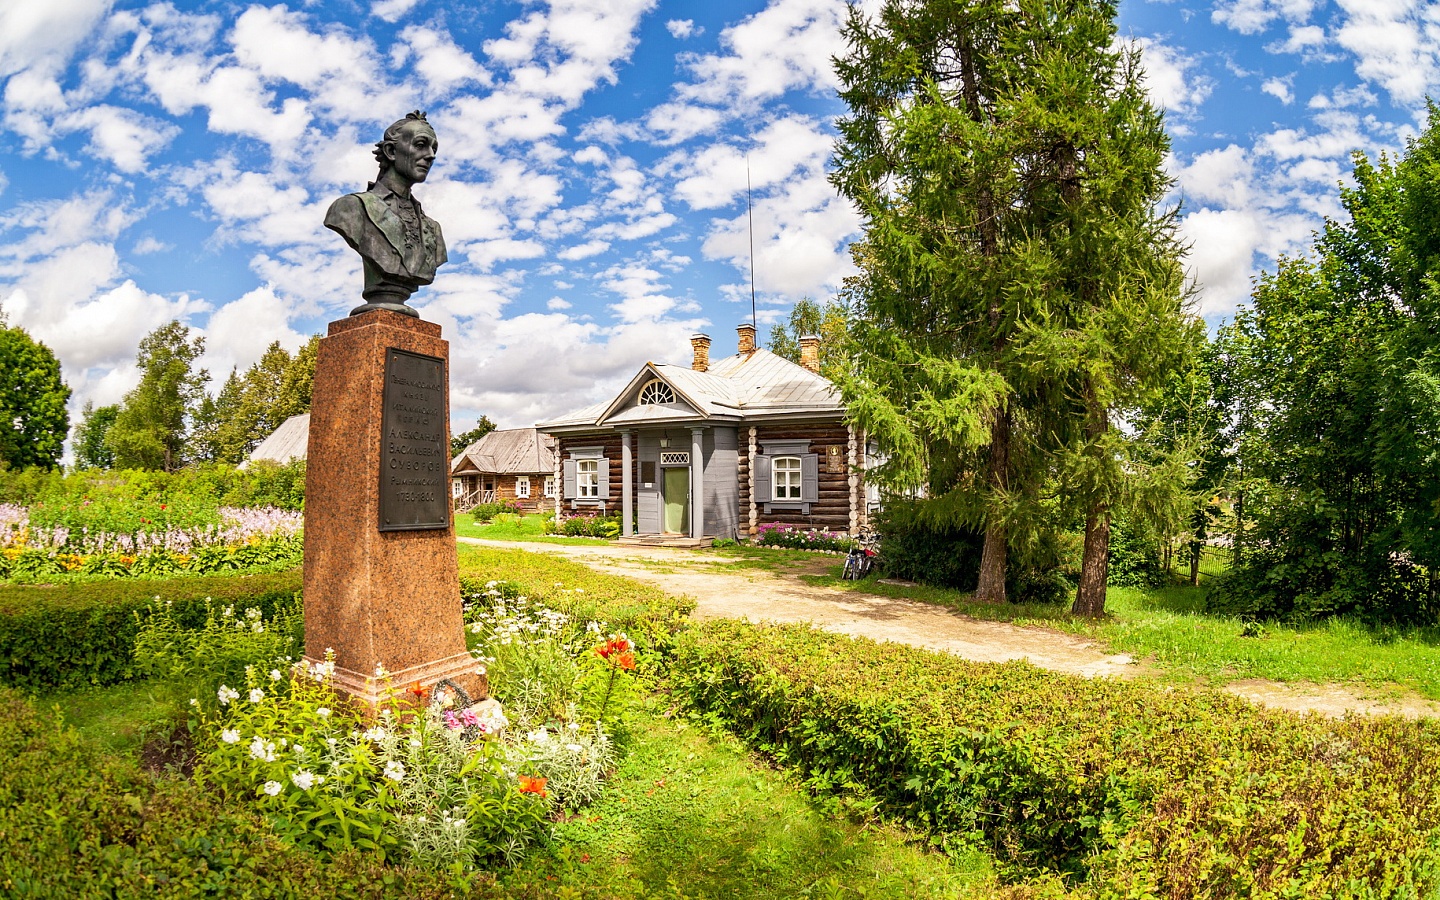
point(628, 408)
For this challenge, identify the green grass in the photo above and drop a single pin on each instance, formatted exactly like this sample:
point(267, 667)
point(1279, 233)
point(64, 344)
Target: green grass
point(118, 717)
point(691, 813)
point(1169, 628)
point(515, 528)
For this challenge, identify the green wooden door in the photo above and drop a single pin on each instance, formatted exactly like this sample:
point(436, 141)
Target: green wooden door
point(677, 500)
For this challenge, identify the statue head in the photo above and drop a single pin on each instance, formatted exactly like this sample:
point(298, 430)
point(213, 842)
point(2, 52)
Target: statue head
point(408, 146)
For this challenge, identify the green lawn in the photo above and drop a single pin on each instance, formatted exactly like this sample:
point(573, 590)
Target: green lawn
point(515, 528)
point(1169, 628)
point(691, 813)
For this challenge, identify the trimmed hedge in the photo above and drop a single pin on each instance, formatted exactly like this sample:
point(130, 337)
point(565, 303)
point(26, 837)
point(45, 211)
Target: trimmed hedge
point(1138, 790)
point(71, 635)
point(76, 824)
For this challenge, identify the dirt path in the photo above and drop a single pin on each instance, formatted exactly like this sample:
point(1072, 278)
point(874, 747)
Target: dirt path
point(724, 590)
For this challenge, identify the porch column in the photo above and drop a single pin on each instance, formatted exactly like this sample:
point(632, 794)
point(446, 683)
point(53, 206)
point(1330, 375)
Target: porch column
point(627, 486)
point(697, 482)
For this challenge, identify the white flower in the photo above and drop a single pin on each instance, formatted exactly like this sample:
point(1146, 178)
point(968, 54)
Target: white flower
point(415, 743)
point(479, 670)
point(574, 748)
point(256, 695)
point(395, 770)
point(271, 787)
point(226, 694)
point(323, 713)
point(262, 749)
point(303, 779)
point(379, 670)
point(194, 702)
point(375, 734)
point(274, 674)
point(230, 736)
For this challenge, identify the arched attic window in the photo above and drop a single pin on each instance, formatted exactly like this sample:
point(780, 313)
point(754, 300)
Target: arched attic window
point(656, 391)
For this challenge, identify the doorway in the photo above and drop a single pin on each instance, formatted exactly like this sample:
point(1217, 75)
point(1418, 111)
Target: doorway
point(677, 500)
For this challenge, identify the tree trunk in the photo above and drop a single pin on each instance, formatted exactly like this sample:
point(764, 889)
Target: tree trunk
point(1094, 568)
point(1195, 552)
point(992, 557)
point(1095, 564)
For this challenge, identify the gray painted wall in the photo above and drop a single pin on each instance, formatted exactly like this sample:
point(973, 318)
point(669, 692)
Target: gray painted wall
point(722, 482)
point(647, 499)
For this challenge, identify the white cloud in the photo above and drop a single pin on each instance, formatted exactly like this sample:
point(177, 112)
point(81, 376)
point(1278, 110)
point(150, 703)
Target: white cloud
point(124, 138)
point(231, 338)
point(1396, 44)
point(1280, 89)
point(786, 46)
point(683, 28)
point(1169, 78)
point(440, 61)
point(150, 244)
point(555, 303)
point(1254, 16)
point(583, 251)
point(43, 33)
point(392, 10)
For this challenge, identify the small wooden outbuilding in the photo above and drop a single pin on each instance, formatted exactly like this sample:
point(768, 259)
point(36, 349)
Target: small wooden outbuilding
point(516, 465)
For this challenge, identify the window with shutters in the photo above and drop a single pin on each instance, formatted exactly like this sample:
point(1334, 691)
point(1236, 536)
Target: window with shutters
point(522, 487)
point(587, 478)
point(549, 486)
point(785, 477)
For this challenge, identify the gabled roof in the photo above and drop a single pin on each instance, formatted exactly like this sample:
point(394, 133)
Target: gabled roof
point(514, 451)
point(290, 441)
point(758, 384)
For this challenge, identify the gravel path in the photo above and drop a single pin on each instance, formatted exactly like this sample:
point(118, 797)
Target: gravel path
point(726, 591)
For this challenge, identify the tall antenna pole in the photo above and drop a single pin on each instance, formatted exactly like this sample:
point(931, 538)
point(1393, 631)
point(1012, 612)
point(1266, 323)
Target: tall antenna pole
point(750, 211)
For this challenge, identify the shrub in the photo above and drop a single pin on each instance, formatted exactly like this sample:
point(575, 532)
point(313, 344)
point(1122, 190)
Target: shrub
point(607, 527)
point(1147, 791)
point(1134, 555)
point(484, 512)
point(78, 824)
point(71, 635)
point(778, 534)
point(221, 649)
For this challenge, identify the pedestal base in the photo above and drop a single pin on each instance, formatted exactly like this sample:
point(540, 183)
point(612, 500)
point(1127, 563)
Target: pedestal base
point(376, 598)
point(370, 690)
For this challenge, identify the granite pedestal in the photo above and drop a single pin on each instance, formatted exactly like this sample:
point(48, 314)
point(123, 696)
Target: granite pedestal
point(377, 597)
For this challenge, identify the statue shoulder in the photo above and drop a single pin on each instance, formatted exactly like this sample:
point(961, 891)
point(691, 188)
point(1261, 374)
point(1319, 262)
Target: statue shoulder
point(345, 213)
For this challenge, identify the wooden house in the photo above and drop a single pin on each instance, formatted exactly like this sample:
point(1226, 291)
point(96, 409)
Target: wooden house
point(516, 466)
point(715, 450)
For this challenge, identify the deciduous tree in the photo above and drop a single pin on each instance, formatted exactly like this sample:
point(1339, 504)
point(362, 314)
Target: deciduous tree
point(151, 430)
point(33, 419)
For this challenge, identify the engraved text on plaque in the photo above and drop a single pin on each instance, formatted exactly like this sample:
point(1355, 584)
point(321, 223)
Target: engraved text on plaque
point(415, 449)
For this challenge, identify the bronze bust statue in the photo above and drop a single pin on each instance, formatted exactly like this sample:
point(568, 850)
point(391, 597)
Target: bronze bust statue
point(399, 245)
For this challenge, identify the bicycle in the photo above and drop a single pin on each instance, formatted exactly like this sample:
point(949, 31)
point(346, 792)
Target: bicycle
point(861, 559)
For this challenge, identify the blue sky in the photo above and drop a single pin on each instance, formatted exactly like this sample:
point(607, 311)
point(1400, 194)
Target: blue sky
point(175, 160)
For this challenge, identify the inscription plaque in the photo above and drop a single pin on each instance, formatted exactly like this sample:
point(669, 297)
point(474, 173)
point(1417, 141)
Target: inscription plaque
point(415, 449)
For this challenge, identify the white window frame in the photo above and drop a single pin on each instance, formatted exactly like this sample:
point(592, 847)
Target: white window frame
point(549, 486)
point(785, 480)
point(656, 391)
point(587, 479)
point(457, 488)
point(522, 487)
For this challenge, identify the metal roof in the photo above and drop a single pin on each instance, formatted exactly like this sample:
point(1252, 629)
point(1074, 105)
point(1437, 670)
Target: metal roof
point(758, 384)
point(289, 441)
point(513, 451)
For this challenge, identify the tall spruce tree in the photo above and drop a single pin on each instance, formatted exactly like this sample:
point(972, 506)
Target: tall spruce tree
point(1019, 284)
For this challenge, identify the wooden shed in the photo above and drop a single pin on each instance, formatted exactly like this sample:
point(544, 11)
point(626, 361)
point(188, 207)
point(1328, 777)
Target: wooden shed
point(516, 465)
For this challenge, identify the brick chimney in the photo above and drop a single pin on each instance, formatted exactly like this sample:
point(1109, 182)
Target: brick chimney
point(810, 352)
point(747, 338)
point(700, 343)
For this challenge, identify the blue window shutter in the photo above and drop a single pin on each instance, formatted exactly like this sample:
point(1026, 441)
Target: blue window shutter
point(810, 478)
point(571, 482)
point(603, 474)
point(761, 466)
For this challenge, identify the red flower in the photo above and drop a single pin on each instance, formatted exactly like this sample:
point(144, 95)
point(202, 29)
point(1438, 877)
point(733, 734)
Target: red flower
point(530, 784)
point(613, 646)
point(419, 692)
point(626, 661)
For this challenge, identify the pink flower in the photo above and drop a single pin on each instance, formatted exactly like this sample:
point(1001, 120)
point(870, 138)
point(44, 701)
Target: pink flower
point(450, 721)
point(468, 717)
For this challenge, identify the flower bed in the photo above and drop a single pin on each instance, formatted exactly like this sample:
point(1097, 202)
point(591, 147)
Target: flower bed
point(793, 537)
point(265, 539)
